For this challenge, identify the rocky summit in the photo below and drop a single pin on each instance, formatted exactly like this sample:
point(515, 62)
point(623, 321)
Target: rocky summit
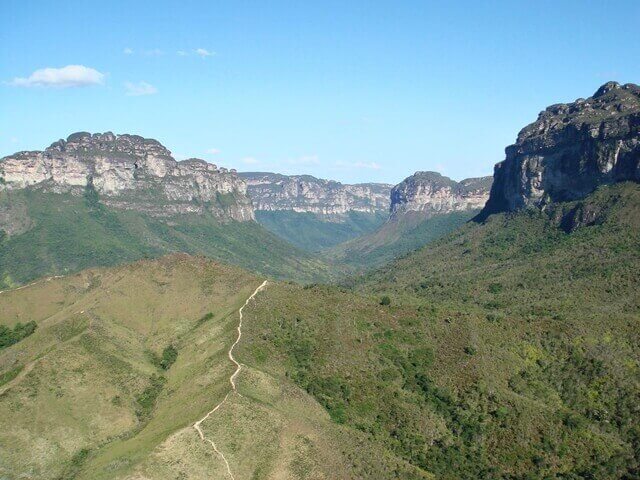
point(129, 172)
point(304, 193)
point(570, 150)
point(433, 194)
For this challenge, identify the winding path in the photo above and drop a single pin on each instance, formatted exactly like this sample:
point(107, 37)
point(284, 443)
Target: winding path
point(48, 279)
point(232, 380)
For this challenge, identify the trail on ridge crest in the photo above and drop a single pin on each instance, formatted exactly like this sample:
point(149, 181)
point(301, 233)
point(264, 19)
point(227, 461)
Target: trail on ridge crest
point(232, 380)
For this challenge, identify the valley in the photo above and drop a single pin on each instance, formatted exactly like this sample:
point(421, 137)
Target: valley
point(486, 328)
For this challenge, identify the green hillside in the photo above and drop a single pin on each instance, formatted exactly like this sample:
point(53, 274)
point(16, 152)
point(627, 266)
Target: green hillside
point(507, 350)
point(312, 232)
point(124, 361)
point(396, 237)
point(56, 234)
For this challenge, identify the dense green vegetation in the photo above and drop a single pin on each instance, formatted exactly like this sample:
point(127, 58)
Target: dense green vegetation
point(509, 349)
point(312, 232)
point(10, 336)
point(58, 234)
point(395, 238)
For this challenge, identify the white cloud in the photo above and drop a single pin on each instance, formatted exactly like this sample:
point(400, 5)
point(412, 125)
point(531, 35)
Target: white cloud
point(203, 52)
point(128, 51)
point(182, 53)
point(250, 160)
point(213, 151)
point(139, 89)
point(369, 165)
point(65, 77)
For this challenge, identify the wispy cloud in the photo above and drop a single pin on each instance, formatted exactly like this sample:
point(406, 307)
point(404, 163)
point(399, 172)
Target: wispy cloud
point(203, 52)
point(64, 77)
point(213, 151)
point(368, 165)
point(128, 51)
point(139, 89)
point(250, 161)
point(182, 53)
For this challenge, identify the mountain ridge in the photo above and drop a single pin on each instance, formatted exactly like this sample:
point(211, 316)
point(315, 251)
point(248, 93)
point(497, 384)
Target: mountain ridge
point(129, 172)
point(308, 194)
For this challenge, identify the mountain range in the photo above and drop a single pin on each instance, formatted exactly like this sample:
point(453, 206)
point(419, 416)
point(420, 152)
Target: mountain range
point(100, 199)
point(497, 336)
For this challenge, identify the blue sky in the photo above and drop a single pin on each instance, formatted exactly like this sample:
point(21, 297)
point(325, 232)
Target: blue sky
point(354, 91)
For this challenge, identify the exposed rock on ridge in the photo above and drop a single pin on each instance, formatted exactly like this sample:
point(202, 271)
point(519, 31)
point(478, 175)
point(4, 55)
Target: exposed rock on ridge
point(304, 193)
point(433, 194)
point(570, 150)
point(129, 172)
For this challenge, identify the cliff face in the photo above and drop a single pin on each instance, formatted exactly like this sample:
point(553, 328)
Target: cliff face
point(433, 194)
point(129, 172)
point(304, 193)
point(570, 150)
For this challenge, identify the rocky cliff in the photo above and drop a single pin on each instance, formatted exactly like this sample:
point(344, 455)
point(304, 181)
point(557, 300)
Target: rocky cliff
point(304, 193)
point(129, 172)
point(570, 150)
point(433, 194)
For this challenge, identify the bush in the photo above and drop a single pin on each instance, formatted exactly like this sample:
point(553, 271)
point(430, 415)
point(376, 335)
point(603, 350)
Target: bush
point(169, 356)
point(386, 300)
point(147, 399)
point(20, 331)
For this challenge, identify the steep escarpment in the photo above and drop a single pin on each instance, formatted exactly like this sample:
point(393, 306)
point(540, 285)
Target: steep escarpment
point(423, 208)
point(307, 194)
point(315, 214)
point(129, 172)
point(431, 194)
point(570, 150)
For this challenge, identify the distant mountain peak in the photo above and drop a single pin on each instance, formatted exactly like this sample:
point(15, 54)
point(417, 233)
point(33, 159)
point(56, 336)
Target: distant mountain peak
point(432, 193)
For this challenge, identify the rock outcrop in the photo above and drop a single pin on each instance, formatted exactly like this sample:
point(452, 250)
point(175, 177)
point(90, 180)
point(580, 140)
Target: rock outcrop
point(430, 193)
point(570, 150)
point(129, 172)
point(304, 193)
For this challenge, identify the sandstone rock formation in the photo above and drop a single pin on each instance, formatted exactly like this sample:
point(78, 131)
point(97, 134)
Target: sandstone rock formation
point(129, 172)
point(430, 193)
point(304, 193)
point(570, 150)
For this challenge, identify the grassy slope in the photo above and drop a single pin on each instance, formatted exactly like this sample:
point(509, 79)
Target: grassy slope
point(396, 237)
point(509, 349)
point(70, 233)
point(312, 233)
point(90, 402)
point(80, 406)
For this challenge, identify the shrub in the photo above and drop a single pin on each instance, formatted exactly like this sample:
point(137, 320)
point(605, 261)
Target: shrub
point(470, 350)
point(20, 331)
point(169, 356)
point(385, 300)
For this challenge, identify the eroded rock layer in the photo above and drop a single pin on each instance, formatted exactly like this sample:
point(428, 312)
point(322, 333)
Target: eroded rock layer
point(570, 150)
point(129, 172)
